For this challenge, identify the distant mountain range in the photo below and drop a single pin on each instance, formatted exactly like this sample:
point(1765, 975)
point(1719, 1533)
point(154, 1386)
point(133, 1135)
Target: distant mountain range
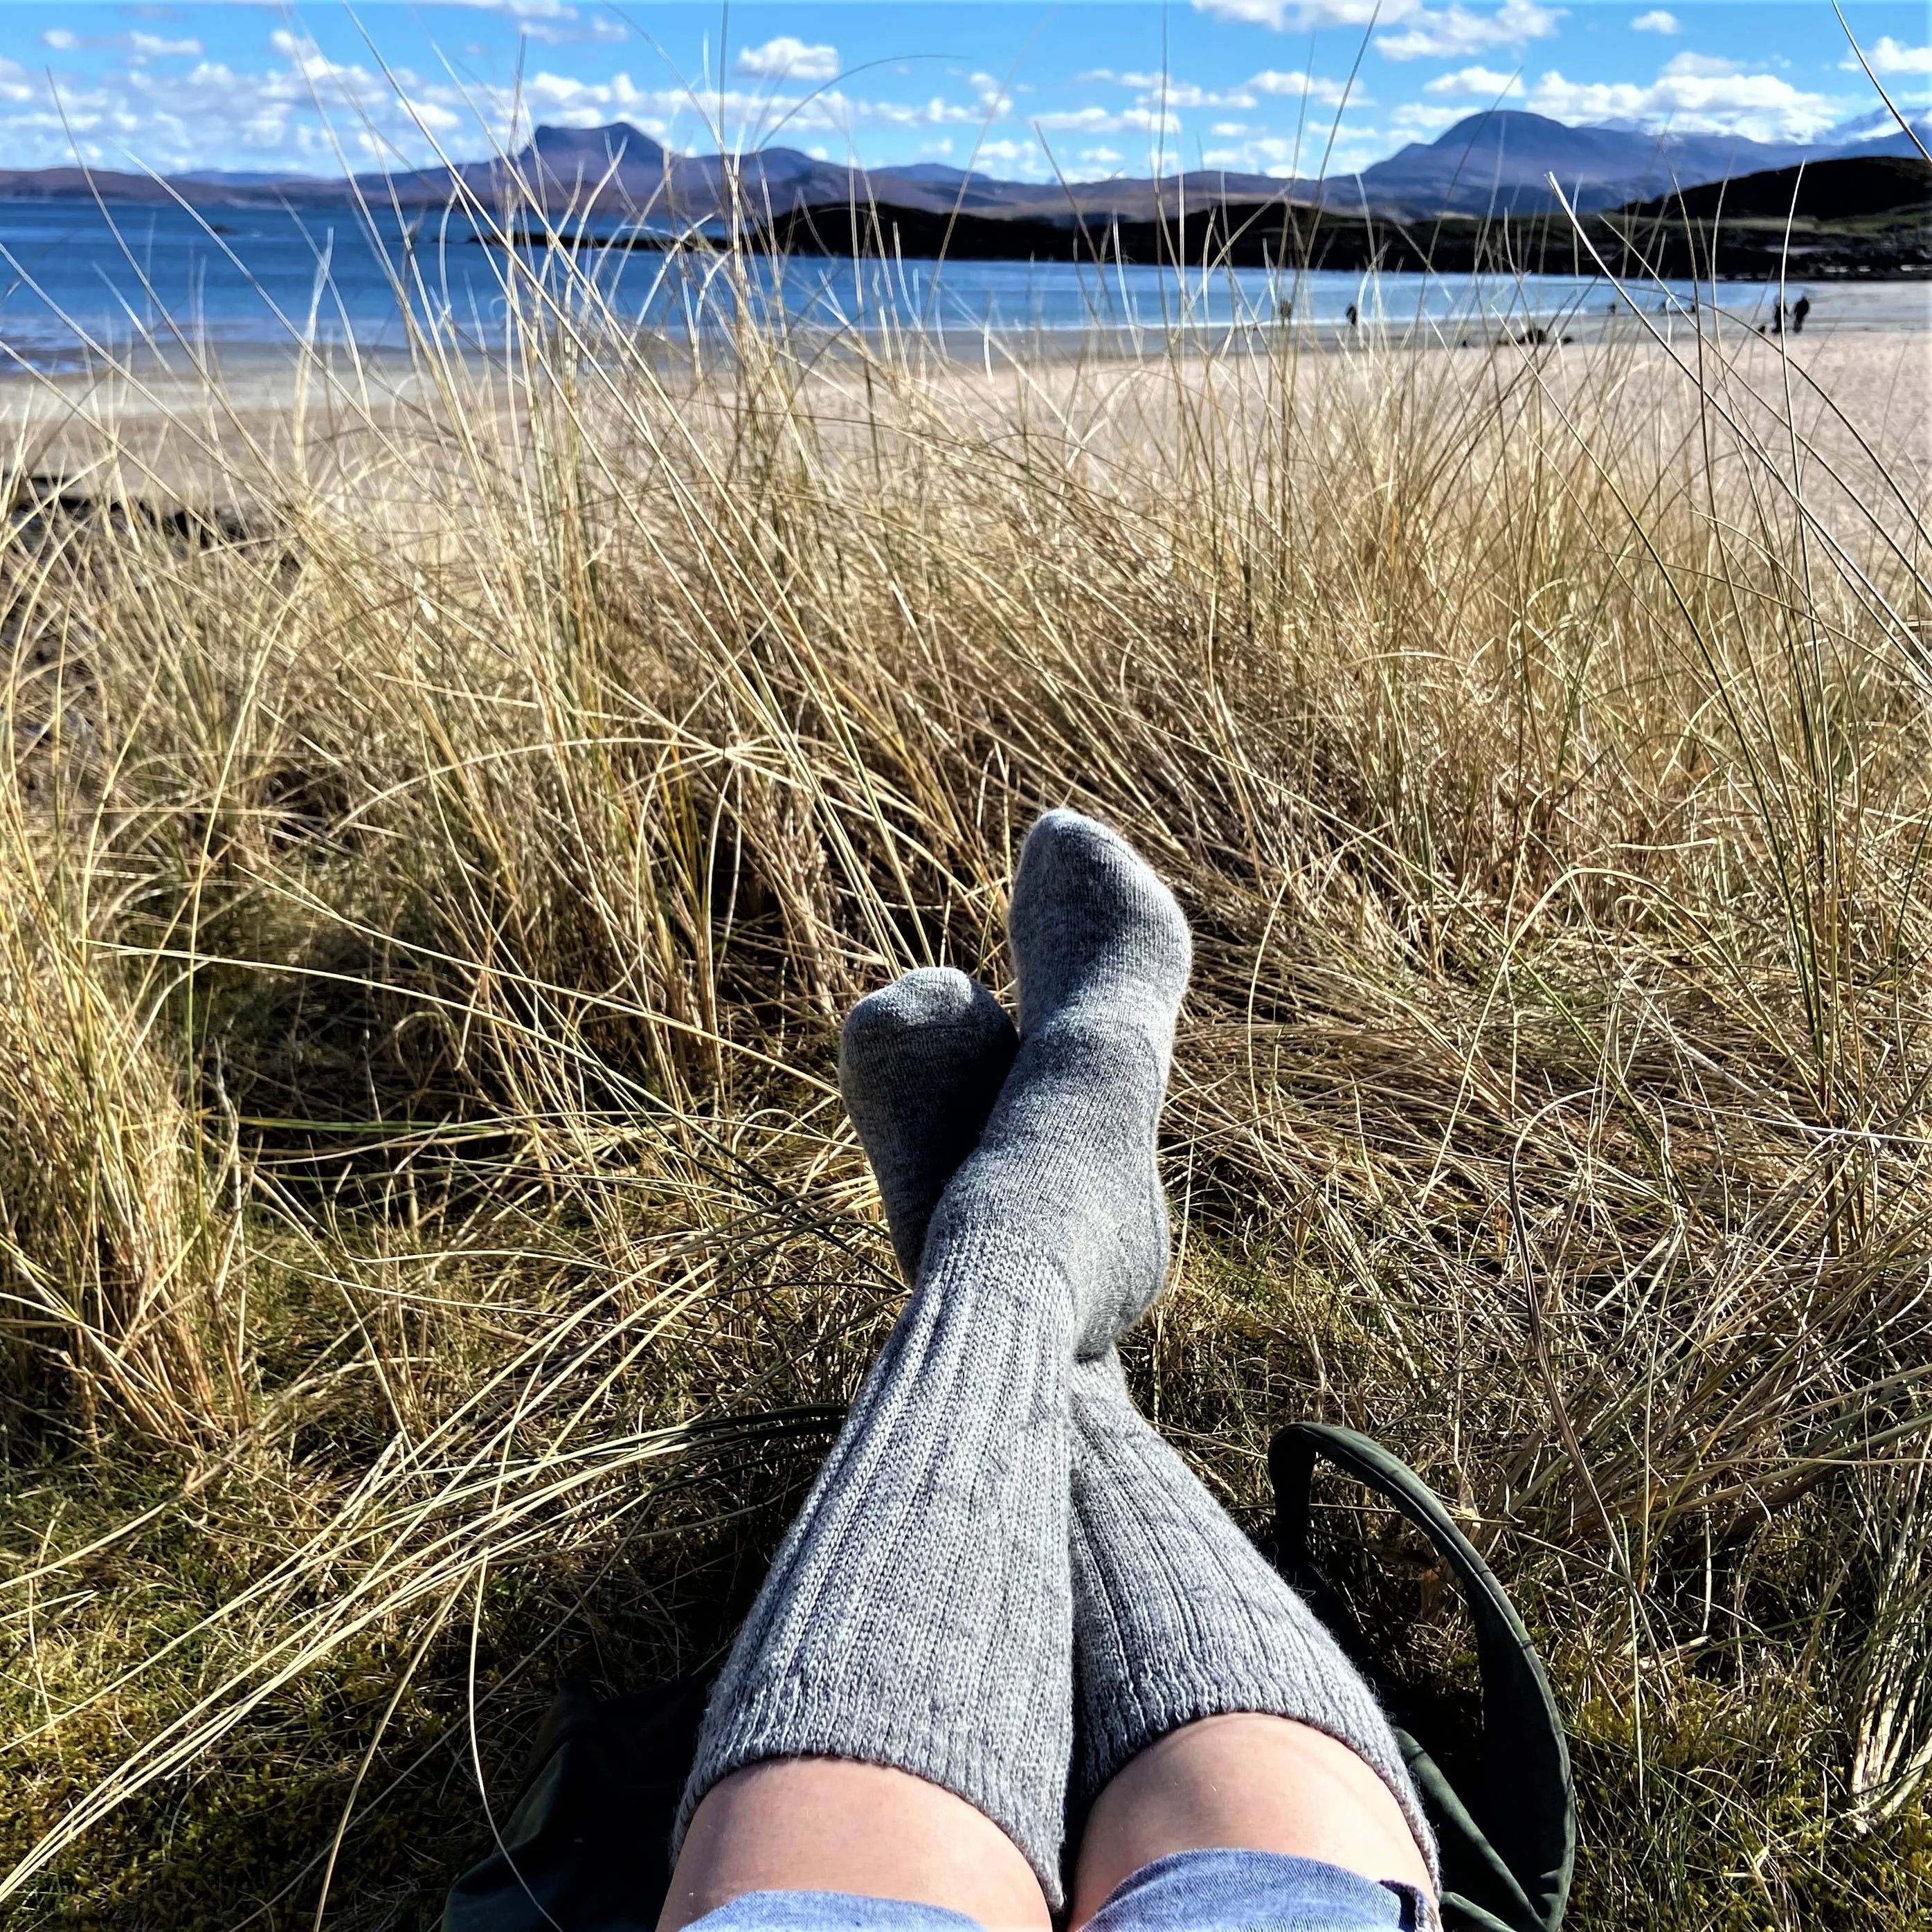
point(1500, 161)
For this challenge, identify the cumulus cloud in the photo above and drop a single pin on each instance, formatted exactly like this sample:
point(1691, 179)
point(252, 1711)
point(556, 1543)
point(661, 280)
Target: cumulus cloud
point(1478, 83)
point(1657, 21)
point(1419, 118)
point(135, 46)
point(1701, 66)
point(1284, 158)
point(1157, 90)
point(789, 58)
point(1330, 93)
point(214, 114)
point(1890, 56)
point(1103, 121)
point(1695, 93)
point(1018, 161)
point(1450, 31)
point(555, 22)
point(1302, 17)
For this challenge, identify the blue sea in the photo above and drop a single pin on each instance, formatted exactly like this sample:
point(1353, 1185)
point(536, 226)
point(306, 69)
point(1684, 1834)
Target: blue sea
point(77, 281)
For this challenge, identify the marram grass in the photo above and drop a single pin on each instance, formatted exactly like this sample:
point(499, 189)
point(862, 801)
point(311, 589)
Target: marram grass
point(432, 1254)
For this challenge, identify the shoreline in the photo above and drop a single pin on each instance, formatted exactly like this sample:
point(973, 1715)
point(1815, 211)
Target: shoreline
point(255, 375)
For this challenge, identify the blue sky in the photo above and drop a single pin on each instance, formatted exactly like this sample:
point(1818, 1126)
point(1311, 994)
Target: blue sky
point(1089, 87)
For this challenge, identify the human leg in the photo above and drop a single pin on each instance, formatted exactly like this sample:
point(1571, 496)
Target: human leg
point(918, 1616)
point(1192, 1657)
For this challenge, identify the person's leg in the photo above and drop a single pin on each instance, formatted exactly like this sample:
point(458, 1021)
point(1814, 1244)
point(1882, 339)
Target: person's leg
point(1213, 1709)
point(827, 1824)
point(932, 1051)
point(1244, 1781)
point(1193, 1657)
point(918, 1616)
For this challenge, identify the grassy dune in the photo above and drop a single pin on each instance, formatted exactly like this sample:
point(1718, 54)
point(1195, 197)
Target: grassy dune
point(432, 1253)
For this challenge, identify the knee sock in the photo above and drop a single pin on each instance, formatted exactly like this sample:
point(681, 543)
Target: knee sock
point(1176, 1616)
point(919, 1613)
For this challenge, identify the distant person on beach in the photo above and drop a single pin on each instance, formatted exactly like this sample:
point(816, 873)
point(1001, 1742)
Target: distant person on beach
point(1800, 309)
point(1353, 319)
point(1011, 1659)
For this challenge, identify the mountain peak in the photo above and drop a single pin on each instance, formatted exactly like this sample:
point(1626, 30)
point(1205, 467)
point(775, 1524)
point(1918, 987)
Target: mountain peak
point(616, 140)
point(1497, 124)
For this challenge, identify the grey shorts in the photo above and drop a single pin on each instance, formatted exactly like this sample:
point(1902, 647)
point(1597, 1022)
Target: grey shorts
point(1192, 1891)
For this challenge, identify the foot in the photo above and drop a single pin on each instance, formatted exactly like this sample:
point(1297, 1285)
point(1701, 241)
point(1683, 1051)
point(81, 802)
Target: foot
point(1067, 1166)
point(920, 1064)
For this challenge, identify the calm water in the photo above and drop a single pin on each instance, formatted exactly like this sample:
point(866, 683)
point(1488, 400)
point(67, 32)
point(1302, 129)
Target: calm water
point(73, 276)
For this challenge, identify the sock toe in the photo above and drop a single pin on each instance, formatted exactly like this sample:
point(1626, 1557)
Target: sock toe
point(1089, 915)
point(920, 1062)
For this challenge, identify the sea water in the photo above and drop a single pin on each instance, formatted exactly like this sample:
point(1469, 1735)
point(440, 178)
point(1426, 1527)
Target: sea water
point(78, 280)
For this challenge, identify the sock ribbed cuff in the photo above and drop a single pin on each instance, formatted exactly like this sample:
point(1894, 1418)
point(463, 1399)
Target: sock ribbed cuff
point(1025, 1796)
point(1161, 1698)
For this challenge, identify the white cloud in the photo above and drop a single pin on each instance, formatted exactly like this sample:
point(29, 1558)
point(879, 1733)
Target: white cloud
point(1282, 157)
point(1417, 117)
point(1101, 121)
point(788, 58)
point(1185, 93)
point(137, 45)
point(1886, 56)
point(152, 46)
point(1230, 130)
point(1657, 21)
point(1693, 95)
point(1331, 93)
point(1454, 30)
point(1156, 90)
point(742, 112)
point(1700, 67)
point(211, 115)
point(1302, 17)
point(1102, 158)
point(214, 115)
point(1018, 161)
point(1478, 83)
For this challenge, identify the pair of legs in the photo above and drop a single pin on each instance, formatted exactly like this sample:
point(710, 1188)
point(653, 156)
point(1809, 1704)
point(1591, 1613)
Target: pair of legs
point(1006, 1605)
point(1244, 1781)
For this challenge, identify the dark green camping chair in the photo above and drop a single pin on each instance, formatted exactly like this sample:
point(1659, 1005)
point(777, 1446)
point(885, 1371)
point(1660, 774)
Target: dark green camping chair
point(585, 1847)
point(1507, 1824)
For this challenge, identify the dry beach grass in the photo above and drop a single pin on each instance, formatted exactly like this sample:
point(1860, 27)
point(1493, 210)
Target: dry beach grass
point(432, 1254)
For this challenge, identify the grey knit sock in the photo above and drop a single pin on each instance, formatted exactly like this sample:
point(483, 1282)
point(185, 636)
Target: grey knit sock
point(920, 1065)
point(1176, 1616)
point(919, 1613)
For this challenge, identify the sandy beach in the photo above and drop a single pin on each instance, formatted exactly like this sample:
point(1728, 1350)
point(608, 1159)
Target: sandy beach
point(1854, 389)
